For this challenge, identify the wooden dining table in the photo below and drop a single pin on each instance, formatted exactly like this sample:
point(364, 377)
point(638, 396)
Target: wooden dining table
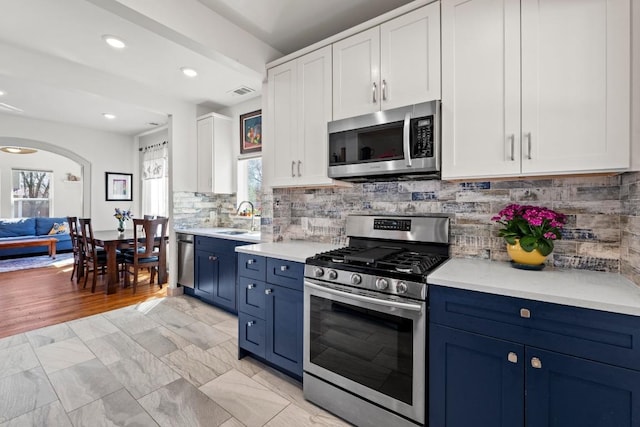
point(111, 241)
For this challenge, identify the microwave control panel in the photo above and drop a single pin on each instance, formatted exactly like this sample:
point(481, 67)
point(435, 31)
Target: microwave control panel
point(422, 137)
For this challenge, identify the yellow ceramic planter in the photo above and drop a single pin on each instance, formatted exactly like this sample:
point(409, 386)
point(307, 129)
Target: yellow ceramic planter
point(521, 256)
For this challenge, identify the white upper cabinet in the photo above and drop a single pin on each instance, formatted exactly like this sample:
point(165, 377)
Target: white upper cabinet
point(299, 108)
point(388, 66)
point(534, 87)
point(215, 163)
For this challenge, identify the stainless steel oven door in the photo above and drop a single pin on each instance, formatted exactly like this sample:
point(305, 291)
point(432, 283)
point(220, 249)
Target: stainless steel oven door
point(373, 347)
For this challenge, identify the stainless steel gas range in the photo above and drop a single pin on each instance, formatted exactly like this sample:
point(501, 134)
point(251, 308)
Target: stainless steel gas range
point(365, 319)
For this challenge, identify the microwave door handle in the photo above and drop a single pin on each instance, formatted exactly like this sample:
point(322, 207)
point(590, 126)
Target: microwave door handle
point(406, 139)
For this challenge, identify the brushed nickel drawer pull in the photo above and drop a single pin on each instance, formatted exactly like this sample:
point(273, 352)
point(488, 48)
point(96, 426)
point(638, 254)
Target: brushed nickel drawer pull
point(536, 363)
point(512, 357)
point(268, 291)
point(525, 313)
point(251, 285)
point(250, 261)
point(251, 323)
point(284, 267)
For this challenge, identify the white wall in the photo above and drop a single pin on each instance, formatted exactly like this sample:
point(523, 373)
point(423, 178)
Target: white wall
point(107, 152)
point(67, 196)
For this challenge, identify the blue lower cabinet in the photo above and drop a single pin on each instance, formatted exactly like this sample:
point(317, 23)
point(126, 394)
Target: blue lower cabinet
point(215, 272)
point(284, 328)
point(565, 391)
point(270, 302)
point(474, 380)
point(251, 335)
point(478, 378)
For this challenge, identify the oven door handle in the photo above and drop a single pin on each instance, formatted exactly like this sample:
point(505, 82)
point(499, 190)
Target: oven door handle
point(406, 139)
point(385, 303)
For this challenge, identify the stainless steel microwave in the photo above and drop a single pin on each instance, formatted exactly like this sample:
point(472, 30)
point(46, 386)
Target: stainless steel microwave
point(399, 143)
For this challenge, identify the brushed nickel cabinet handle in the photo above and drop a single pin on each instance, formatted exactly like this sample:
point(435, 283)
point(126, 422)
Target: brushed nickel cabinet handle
point(525, 313)
point(384, 90)
point(536, 363)
point(293, 165)
point(528, 136)
point(251, 261)
point(512, 357)
point(374, 89)
point(213, 258)
point(512, 137)
point(251, 286)
point(284, 267)
point(299, 164)
point(268, 291)
point(251, 323)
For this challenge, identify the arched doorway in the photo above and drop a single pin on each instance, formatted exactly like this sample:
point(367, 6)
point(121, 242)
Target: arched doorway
point(85, 165)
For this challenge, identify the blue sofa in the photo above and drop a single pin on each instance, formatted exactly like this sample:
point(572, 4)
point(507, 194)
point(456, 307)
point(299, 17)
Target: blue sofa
point(32, 228)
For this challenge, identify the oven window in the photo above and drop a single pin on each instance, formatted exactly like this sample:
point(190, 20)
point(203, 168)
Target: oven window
point(368, 347)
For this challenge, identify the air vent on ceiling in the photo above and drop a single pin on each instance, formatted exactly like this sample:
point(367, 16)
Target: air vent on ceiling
point(10, 108)
point(242, 90)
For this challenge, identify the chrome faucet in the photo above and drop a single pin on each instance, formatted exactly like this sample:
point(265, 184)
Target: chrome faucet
point(253, 212)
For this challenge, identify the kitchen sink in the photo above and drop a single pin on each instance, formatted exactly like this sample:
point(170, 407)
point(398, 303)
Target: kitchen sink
point(233, 232)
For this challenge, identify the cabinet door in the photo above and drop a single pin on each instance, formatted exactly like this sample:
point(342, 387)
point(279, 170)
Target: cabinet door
point(314, 112)
point(206, 275)
point(569, 391)
point(280, 151)
point(356, 74)
point(215, 163)
point(575, 85)
point(480, 88)
point(251, 334)
point(474, 380)
point(284, 328)
point(226, 290)
point(205, 155)
point(410, 58)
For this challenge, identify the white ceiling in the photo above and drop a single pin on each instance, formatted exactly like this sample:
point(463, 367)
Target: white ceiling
point(55, 65)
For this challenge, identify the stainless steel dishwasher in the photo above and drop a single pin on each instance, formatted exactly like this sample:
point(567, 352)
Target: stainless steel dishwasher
point(185, 259)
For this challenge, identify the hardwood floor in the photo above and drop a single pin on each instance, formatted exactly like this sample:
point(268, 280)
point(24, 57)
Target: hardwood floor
point(31, 299)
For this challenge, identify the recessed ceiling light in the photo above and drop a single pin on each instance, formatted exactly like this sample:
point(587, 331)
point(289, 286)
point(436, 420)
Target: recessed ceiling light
point(2, 92)
point(109, 116)
point(18, 150)
point(114, 42)
point(189, 72)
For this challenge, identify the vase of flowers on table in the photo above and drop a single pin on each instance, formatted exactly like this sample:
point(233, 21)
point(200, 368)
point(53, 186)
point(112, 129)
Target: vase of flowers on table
point(122, 216)
point(530, 232)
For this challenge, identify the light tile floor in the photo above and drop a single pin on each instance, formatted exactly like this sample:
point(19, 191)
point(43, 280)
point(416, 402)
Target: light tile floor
point(166, 362)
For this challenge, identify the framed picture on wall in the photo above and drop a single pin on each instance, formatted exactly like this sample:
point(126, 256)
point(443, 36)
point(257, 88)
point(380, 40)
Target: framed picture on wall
point(251, 132)
point(118, 186)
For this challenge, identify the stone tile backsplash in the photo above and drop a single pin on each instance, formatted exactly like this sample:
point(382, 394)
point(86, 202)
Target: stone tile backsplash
point(602, 232)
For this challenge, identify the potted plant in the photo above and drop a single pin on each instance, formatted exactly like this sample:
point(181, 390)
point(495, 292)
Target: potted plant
point(530, 232)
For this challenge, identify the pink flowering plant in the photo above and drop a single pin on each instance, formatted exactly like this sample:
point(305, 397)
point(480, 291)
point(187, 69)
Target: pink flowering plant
point(535, 227)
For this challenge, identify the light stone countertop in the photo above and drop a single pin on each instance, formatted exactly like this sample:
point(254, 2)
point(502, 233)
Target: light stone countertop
point(588, 289)
point(296, 250)
point(219, 233)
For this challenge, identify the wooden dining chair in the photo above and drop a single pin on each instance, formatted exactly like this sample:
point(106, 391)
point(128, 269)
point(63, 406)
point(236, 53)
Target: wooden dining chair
point(76, 245)
point(148, 236)
point(94, 259)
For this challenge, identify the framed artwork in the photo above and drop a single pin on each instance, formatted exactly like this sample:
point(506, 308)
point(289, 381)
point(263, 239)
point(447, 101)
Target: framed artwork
point(118, 186)
point(251, 132)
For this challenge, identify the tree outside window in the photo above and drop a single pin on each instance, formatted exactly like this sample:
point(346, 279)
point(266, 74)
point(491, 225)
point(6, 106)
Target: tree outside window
point(250, 182)
point(31, 195)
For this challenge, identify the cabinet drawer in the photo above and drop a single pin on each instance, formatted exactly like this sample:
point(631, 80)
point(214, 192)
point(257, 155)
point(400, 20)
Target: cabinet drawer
point(285, 273)
point(251, 296)
point(212, 244)
point(252, 266)
point(592, 334)
point(251, 335)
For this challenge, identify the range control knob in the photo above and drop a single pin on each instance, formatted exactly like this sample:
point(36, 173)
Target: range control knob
point(356, 279)
point(332, 274)
point(318, 272)
point(382, 284)
point(401, 288)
